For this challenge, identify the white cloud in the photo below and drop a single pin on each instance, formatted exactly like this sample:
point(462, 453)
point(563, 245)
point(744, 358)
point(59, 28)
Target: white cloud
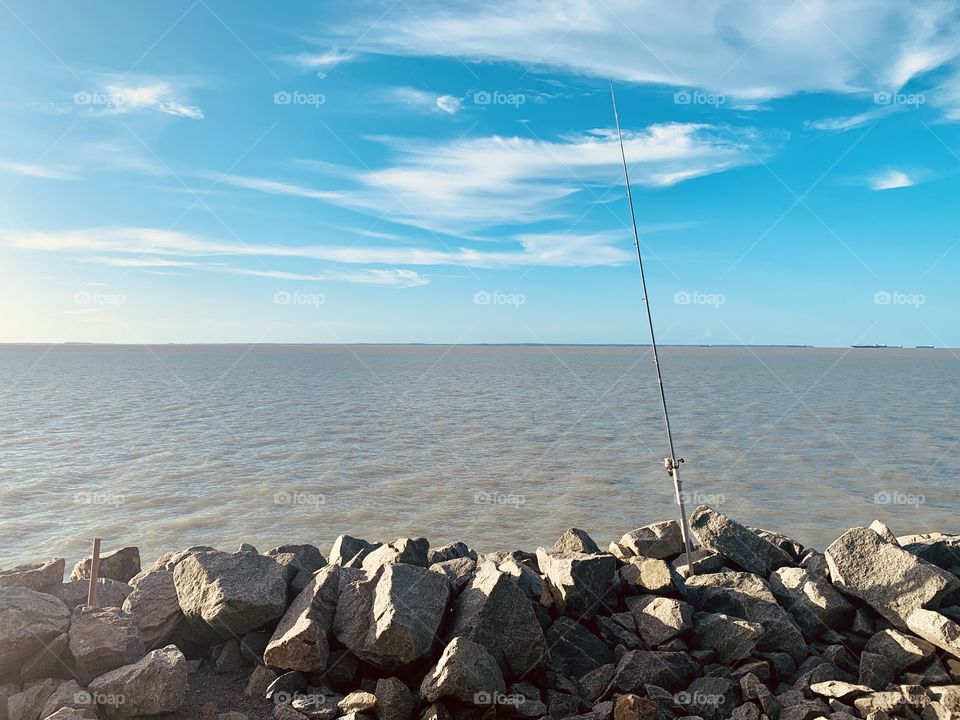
point(273, 187)
point(841, 124)
point(119, 95)
point(892, 179)
point(424, 100)
point(448, 104)
point(319, 61)
point(37, 171)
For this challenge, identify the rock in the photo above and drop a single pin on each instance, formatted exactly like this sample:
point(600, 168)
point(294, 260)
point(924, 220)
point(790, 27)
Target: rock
point(805, 710)
point(937, 629)
point(285, 712)
point(229, 659)
point(153, 606)
point(736, 543)
point(494, 612)
point(316, 706)
point(260, 679)
point(300, 562)
point(155, 684)
point(465, 672)
point(69, 713)
point(394, 700)
point(753, 690)
point(646, 576)
point(889, 652)
point(50, 661)
point(29, 620)
point(67, 694)
point(525, 578)
point(36, 576)
point(349, 551)
point(892, 703)
point(300, 640)
point(936, 548)
point(110, 593)
point(790, 546)
point(662, 540)
point(712, 698)
point(451, 551)
point(703, 561)
point(120, 565)
point(883, 531)
point(435, 711)
point(637, 668)
point(561, 705)
point(230, 593)
point(341, 669)
point(660, 619)
point(28, 704)
point(102, 639)
point(286, 686)
point(614, 633)
point(885, 576)
point(577, 581)
point(358, 701)
point(747, 711)
point(391, 620)
point(595, 683)
point(842, 691)
point(408, 551)
point(812, 601)
point(458, 571)
point(731, 638)
point(575, 540)
point(634, 707)
point(574, 650)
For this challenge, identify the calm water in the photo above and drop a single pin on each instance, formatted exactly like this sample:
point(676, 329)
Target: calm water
point(503, 447)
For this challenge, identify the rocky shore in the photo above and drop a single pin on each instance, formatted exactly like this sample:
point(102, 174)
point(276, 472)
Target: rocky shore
point(762, 628)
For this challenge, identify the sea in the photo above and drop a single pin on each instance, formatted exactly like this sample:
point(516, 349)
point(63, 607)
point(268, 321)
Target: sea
point(503, 447)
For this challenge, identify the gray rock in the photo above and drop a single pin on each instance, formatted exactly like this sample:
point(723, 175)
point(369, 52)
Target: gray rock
point(526, 579)
point(51, 661)
point(736, 543)
point(358, 701)
point(647, 576)
point(937, 548)
point(230, 593)
point(451, 551)
point(805, 710)
point(614, 633)
point(349, 551)
point(712, 698)
point(812, 601)
point(28, 704)
point(155, 684)
point(229, 659)
point(69, 713)
point(458, 571)
point(574, 650)
point(561, 705)
point(409, 551)
point(670, 670)
point(595, 683)
point(661, 540)
point(300, 640)
point(102, 639)
point(300, 561)
point(494, 612)
point(261, 678)
point(120, 565)
point(891, 703)
point(392, 619)
point(891, 580)
point(889, 652)
point(937, 629)
point(67, 694)
point(577, 581)
point(575, 540)
point(660, 619)
point(731, 638)
point(790, 546)
point(153, 606)
point(394, 700)
point(36, 576)
point(465, 672)
point(842, 691)
point(703, 561)
point(110, 593)
point(883, 531)
point(752, 689)
point(29, 620)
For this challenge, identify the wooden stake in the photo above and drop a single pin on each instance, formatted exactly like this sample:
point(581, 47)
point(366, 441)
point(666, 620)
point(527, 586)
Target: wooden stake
point(94, 572)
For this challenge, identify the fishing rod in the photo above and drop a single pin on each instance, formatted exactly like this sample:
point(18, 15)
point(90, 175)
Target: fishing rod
point(672, 463)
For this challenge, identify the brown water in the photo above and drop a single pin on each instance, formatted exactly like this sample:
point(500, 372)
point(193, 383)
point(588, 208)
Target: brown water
point(503, 447)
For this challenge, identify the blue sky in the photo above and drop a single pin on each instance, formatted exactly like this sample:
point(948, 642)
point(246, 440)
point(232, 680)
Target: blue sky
point(420, 171)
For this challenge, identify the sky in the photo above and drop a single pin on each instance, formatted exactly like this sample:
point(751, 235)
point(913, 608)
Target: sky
point(448, 172)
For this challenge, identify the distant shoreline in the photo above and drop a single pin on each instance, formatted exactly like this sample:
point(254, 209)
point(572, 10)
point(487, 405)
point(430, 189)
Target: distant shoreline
point(80, 345)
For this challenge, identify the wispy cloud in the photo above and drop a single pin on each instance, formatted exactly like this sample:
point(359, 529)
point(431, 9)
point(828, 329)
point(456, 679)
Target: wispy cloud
point(273, 187)
point(36, 170)
point(319, 60)
point(119, 95)
point(892, 179)
point(424, 100)
point(850, 122)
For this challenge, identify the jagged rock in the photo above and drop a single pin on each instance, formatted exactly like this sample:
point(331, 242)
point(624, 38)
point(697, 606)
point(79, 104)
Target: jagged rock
point(805, 710)
point(736, 543)
point(458, 571)
point(634, 707)
point(660, 619)
point(890, 579)
point(816, 564)
point(409, 551)
point(578, 581)
point(703, 561)
point(575, 540)
point(842, 691)
point(753, 690)
point(300, 640)
point(285, 712)
point(887, 653)
point(260, 679)
point(155, 684)
point(358, 701)
point(892, 703)
point(465, 672)
point(646, 576)
point(747, 711)
point(120, 565)
point(937, 548)
point(110, 593)
point(731, 638)
point(450, 551)
point(595, 683)
point(435, 711)
point(712, 698)
point(812, 601)
point(574, 650)
point(153, 606)
point(28, 704)
point(391, 620)
point(394, 700)
point(102, 639)
point(525, 578)
point(48, 662)
point(341, 669)
point(661, 540)
point(35, 576)
point(230, 593)
point(349, 551)
point(937, 629)
point(228, 659)
point(670, 670)
point(790, 546)
point(29, 620)
point(67, 694)
point(316, 706)
point(300, 561)
point(561, 704)
point(69, 713)
point(881, 529)
point(494, 612)
point(286, 686)
point(614, 633)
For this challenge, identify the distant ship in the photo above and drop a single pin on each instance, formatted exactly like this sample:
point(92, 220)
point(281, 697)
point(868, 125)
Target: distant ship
point(876, 347)
point(924, 347)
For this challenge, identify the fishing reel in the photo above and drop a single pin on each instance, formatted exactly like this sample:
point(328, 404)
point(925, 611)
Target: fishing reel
point(670, 464)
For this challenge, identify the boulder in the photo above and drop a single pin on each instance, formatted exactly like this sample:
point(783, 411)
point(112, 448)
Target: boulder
point(69, 713)
point(731, 638)
point(614, 633)
point(50, 661)
point(67, 694)
point(577, 581)
point(494, 612)
point(889, 652)
point(660, 619)
point(646, 576)
point(391, 620)
point(357, 702)
point(842, 691)
point(526, 579)
point(260, 679)
point(153, 606)
point(300, 640)
point(464, 672)
point(575, 540)
point(891, 580)
point(670, 670)
point(110, 593)
point(702, 560)
point(735, 542)
point(394, 700)
point(120, 565)
point(662, 540)
point(409, 551)
point(936, 548)
point(937, 629)
point(349, 551)
point(634, 707)
point(812, 601)
point(155, 684)
point(712, 698)
point(28, 704)
point(595, 683)
point(574, 650)
point(458, 571)
point(35, 576)
point(29, 620)
point(102, 639)
point(450, 551)
point(230, 593)
point(300, 561)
